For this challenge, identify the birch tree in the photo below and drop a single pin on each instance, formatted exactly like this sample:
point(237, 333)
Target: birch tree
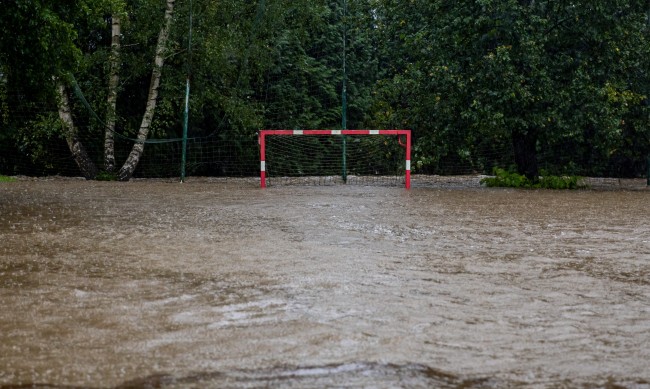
point(113, 81)
point(86, 165)
point(126, 172)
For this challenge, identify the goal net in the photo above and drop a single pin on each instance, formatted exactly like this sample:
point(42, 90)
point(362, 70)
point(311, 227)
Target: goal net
point(332, 157)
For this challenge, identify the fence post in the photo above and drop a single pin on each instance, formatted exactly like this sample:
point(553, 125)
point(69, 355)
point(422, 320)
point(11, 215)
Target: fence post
point(647, 173)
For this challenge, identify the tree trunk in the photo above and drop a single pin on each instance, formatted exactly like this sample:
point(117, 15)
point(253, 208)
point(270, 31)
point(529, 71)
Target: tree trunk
point(86, 165)
point(113, 80)
point(524, 143)
point(126, 172)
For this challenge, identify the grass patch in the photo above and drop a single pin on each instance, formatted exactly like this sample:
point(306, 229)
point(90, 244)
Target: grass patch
point(6, 178)
point(105, 176)
point(505, 179)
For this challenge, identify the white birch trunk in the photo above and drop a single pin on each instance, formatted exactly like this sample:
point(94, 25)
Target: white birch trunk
point(85, 164)
point(113, 81)
point(131, 163)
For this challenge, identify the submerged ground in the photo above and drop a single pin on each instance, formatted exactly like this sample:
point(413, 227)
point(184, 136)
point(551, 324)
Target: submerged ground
point(221, 284)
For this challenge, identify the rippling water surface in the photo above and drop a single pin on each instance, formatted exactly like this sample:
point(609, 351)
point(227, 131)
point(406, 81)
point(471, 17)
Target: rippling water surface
point(212, 284)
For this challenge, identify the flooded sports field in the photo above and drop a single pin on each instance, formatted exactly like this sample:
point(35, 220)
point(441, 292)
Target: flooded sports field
point(215, 283)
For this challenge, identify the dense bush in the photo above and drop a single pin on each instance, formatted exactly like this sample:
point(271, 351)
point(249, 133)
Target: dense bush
point(503, 178)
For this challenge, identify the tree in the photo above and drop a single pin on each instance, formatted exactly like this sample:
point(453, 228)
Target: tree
point(129, 166)
point(559, 86)
point(532, 73)
point(113, 82)
point(42, 52)
point(79, 153)
point(52, 50)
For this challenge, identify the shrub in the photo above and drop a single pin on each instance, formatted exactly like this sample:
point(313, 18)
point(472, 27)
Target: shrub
point(505, 179)
point(6, 179)
point(106, 176)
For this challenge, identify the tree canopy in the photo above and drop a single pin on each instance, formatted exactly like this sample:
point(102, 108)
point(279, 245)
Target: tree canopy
point(525, 84)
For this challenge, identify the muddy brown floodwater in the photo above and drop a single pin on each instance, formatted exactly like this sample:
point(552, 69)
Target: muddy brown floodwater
point(221, 284)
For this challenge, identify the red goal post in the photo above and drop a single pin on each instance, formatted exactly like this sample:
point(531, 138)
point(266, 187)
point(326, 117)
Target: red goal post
point(264, 133)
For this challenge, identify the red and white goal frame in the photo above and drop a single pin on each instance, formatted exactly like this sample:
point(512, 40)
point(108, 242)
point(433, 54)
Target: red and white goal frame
point(406, 133)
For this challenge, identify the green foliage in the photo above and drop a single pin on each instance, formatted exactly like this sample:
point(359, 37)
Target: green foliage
point(34, 138)
point(505, 179)
point(106, 176)
point(6, 178)
point(42, 39)
point(548, 79)
point(560, 182)
point(561, 86)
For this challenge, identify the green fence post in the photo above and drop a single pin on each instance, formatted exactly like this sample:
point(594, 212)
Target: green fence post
point(647, 173)
point(186, 114)
point(344, 96)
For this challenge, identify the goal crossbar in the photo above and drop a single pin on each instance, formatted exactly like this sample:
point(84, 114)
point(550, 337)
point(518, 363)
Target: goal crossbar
point(264, 133)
